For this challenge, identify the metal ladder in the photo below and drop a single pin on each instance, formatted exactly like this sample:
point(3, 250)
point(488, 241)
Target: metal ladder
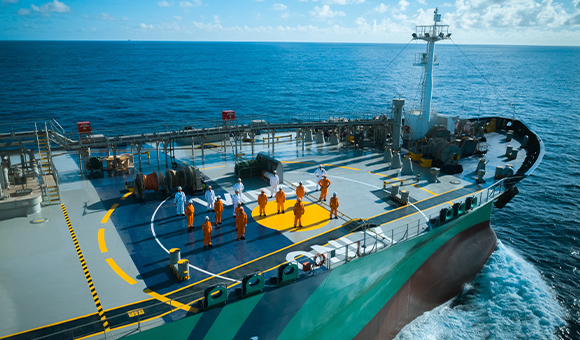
point(51, 192)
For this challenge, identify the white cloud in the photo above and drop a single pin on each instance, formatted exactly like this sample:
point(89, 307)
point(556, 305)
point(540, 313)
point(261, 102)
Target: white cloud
point(422, 2)
point(9, 2)
point(144, 26)
point(400, 16)
point(285, 15)
point(325, 12)
point(498, 13)
point(280, 7)
point(54, 6)
point(23, 11)
point(382, 8)
point(106, 17)
point(187, 4)
point(177, 17)
point(164, 4)
point(216, 19)
point(403, 5)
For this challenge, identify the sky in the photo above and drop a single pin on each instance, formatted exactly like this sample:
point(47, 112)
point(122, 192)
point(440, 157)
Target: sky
point(511, 22)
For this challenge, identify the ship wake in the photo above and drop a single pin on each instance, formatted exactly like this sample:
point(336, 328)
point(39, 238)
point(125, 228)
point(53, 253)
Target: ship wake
point(509, 299)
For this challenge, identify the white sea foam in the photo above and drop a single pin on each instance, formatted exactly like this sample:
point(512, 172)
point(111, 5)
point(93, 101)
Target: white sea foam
point(509, 299)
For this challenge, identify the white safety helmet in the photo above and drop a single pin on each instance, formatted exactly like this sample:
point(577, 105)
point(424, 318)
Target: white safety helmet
point(320, 165)
point(275, 171)
point(179, 189)
point(239, 179)
point(191, 201)
point(237, 190)
point(280, 189)
point(239, 204)
point(300, 182)
point(209, 187)
point(207, 218)
point(218, 198)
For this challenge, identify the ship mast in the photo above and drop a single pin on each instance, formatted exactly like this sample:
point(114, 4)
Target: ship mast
point(431, 34)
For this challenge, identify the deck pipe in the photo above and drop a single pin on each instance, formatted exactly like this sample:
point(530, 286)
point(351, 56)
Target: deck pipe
point(397, 119)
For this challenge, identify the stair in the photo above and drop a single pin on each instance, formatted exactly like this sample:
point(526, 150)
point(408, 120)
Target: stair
point(51, 192)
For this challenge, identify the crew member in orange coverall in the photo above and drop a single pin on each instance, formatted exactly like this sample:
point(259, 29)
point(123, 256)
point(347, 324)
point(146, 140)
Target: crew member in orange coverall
point(206, 227)
point(300, 191)
point(262, 201)
point(241, 222)
point(189, 210)
point(334, 206)
point(324, 184)
point(218, 208)
point(298, 212)
point(280, 199)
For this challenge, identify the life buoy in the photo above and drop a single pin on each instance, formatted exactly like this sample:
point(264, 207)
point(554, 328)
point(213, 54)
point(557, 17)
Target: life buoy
point(407, 128)
point(318, 257)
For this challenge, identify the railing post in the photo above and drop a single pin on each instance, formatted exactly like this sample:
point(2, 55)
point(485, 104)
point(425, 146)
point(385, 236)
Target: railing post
point(407, 233)
point(392, 237)
point(418, 226)
point(346, 254)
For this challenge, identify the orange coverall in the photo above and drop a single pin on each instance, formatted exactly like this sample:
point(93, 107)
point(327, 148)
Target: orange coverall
point(280, 199)
point(241, 221)
point(206, 227)
point(324, 184)
point(262, 201)
point(334, 206)
point(300, 191)
point(298, 212)
point(189, 210)
point(219, 208)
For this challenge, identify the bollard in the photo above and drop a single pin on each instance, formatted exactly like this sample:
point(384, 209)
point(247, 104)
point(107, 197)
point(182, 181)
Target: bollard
point(394, 189)
point(183, 269)
point(498, 171)
point(405, 196)
point(509, 136)
point(508, 150)
point(174, 256)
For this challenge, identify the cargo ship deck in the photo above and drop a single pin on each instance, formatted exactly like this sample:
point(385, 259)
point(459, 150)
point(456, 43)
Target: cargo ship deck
point(99, 264)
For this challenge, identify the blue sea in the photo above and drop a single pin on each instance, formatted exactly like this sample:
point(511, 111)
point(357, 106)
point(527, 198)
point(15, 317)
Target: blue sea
point(530, 287)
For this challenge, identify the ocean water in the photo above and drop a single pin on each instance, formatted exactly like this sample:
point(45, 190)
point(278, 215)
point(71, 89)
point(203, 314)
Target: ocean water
point(530, 286)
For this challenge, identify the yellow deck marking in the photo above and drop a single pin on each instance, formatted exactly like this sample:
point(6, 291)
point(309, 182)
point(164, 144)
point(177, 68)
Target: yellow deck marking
point(296, 162)
point(312, 163)
point(126, 195)
point(383, 175)
point(120, 272)
point(315, 217)
point(108, 214)
point(102, 244)
point(86, 270)
point(213, 167)
point(340, 166)
point(135, 312)
point(173, 303)
point(418, 187)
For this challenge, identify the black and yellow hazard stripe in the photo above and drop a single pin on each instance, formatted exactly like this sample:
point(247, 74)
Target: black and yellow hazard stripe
point(86, 271)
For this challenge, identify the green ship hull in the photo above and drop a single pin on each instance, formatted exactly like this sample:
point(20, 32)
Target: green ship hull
point(372, 297)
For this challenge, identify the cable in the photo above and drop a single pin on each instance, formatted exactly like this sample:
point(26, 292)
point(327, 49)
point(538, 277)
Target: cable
point(472, 64)
point(377, 77)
